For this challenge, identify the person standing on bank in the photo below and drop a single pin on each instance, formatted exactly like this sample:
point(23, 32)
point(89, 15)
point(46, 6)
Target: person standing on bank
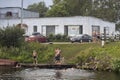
point(57, 56)
point(34, 57)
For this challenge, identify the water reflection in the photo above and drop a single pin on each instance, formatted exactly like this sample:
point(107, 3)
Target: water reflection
point(5, 70)
point(106, 76)
point(6, 73)
point(54, 74)
point(58, 74)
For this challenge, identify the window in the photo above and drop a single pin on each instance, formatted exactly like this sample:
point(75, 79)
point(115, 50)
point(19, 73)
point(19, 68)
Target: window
point(66, 30)
point(106, 30)
point(34, 28)
point(73, 29)
point(50, 29)
point(95, 30)
point(9, 14)
point(81, 29)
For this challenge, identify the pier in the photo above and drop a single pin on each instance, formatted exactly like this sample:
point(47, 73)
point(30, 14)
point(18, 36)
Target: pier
point(48, 66)
point(5, 62)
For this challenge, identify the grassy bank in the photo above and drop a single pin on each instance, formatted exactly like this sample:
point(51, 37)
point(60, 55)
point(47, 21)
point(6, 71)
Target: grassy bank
point(89, 55)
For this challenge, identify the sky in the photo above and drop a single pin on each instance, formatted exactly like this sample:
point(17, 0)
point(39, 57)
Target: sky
point(17, 3)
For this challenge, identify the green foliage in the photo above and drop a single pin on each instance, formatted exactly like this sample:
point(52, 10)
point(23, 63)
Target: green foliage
point(116, 65)
point(11, 36)
point(58, 10)
point(39, 7)
point(24, 53)
point(70, 8)
point(100, 58)
point(101, 7)
point(58, 38)
point(56, 1)
point(51, 37)
point(96, 8)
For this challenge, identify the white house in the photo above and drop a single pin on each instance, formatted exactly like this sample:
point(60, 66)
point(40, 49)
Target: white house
point(15, 12)
point(61, 25)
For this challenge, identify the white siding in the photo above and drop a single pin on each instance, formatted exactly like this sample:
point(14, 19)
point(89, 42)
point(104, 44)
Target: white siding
point(60, 22)
point(30, 14)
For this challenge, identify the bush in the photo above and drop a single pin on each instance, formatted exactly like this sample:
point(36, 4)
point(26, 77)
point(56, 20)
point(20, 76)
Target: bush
point(23, 54)
point(58, 38)
point(116, 65)
point(11, 36)
point(51, 37)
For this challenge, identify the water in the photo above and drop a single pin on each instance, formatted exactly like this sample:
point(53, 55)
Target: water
point(54, 74)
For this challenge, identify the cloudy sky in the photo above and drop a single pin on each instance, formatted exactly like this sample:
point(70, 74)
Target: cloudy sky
point(17, 3)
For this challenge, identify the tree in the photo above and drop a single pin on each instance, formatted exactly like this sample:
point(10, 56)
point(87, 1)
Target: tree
point(58, 9)
point(38, 7)
point(56, 1)
point(70, 8)
point(79, 7)
point(105, 9)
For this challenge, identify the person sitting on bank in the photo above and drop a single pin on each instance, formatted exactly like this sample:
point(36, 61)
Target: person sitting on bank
point(34, 57)
point(57, 56)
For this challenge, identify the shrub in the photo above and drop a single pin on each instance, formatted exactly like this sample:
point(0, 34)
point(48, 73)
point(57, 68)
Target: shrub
point(58, 38)
point(116, 65)
point(11, 36)
point(51, 37)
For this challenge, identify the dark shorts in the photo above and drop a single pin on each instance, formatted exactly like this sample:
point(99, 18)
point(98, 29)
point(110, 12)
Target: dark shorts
point(34, 57)
point(57, 58)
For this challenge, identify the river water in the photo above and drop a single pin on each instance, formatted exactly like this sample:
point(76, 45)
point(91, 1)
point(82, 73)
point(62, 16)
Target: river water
point(55, 74)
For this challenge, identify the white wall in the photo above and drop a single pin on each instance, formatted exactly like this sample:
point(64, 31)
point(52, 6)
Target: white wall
point(60, 22)
point(30, 14)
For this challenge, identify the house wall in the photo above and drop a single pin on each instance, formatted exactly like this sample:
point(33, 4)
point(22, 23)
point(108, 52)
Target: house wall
point(3, 11)
point(16, 13)
point(30, 14)
point(99, 22)
point(60, 22)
